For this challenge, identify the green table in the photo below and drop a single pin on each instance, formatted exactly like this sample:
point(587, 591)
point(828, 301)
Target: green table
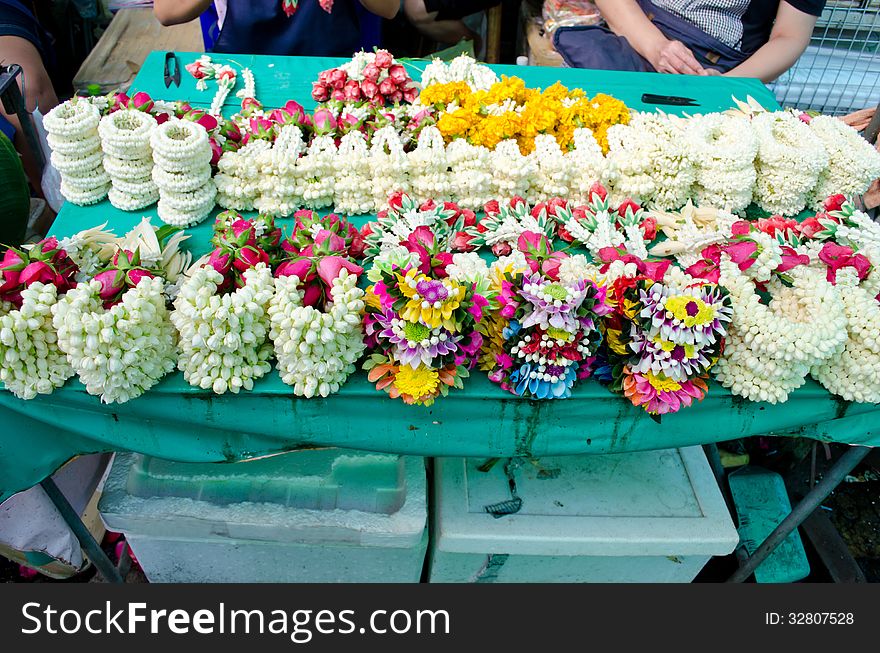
point(176, 421)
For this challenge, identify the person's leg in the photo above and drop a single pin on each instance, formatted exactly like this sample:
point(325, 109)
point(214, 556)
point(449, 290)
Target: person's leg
point(598, 48)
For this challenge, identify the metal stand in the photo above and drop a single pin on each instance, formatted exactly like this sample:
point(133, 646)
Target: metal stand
point(93, 550)
point(13, 102)
point(802, 511)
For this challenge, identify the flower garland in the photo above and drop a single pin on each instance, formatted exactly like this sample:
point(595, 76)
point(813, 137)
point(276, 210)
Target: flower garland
point(662, 339)
point(375, 77)
point(178, 146)
point(72, 129)
point(853, 164)
point(546, 334)
point(790, 159)
point(352, 190)
point(470, 184)
point(463, 68)
point(277, 167)
point(429, 166)
point(552, 172)
point(389, 166)
point(407, 223)
point(724, 149)
point(504, 223)
point(125, 140)
point(421, 325)
point(512, 172)
point(238, 179)
point(588, 164)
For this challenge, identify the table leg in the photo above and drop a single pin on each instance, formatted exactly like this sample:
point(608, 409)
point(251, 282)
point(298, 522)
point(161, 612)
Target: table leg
point(92, 549)
point(801, 511)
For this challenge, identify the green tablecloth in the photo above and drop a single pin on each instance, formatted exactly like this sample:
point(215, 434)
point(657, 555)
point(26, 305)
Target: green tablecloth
point(178, 422)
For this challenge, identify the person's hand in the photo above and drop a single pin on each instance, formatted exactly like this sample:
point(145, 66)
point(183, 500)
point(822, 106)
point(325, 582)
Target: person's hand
point(676, 58)
point(713, 72)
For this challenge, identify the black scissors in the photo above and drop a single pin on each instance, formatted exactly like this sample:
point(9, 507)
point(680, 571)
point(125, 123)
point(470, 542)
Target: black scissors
point(172, 69)
point(650, 98)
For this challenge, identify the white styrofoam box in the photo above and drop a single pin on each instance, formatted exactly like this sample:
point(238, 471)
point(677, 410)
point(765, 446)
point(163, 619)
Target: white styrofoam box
point(254, 531)
point(652, 516)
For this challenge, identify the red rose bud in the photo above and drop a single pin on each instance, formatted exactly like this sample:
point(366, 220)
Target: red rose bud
point(36, 271)
point(182, 108)
point(550, 267)
point(704, 269)
point(649, 228)
point(370, 89)
point(127, 257)
point(810, 227)
point(196, 69)
point(470, 218)
point(461, 242)
point(501, 249)
point(564, 234)
point(249, 105)
point(598, 189)
point(48, 245)
point(491, 208)
point(302, 268)
point(10, 270)
point(320, 91)
point(411, 94)
point(330, 266)
point(367, 230)
point(791, 258)
point(262, 128)
point(337, 78)
point(743, 253)
point(834, 203)
point(422, 236)
point(371, 72)
point(383, 59)
point(439, 263)
point(112, 283)
point(324, 122)
point(515, 201)
point(357, 246)
point(627, 205)
point(120, 101)
point(396, 97)
point(398, 74)
point(248, 257)
point(162, 118)
point(142, 102)
point(396, 200)
point(387, 87)
point(203, 118)
point(135, 276)
point(220, 260)
point(313, 294)
point(533, 244)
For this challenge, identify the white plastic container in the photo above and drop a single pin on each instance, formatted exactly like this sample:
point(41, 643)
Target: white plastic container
point(654, 516)
point(310, 516)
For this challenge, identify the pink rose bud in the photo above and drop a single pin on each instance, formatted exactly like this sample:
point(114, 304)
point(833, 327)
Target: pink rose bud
point(338, 95)
point(352, 92)
point(627, 204)
point(111, 283)
point(221, 261)
point(834, 202)
point(383, 59)
point(334, 243)
point(243, 232)
point(387, 87)
point(461, 242)
point(142, 102)
point(124, 254)
point(370, 89)
point(301, 268)
point(598, 189)
point(216, 151)
point(741, 228)
point(36, 271)
point(324, 121)
point(411, 94)
point(491, 208)
point(501, 249)
point(515, 201)
point(330, 266)
point(162, 118)
point(135, 276)
point(320, 91)
point(313, 294)
point(230, 130)
point(398, 74)
point(249, 257)
point(295, 109)
point(337, 78)
point(195, 69)
point(48, 244)
point(120, 101)
point(9, 279)
point(226, 75)
point(397, 96)
point(371, 72)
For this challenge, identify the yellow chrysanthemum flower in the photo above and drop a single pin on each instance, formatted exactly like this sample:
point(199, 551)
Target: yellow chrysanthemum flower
point(690, 310)
point(418, 383)
point(430, 301)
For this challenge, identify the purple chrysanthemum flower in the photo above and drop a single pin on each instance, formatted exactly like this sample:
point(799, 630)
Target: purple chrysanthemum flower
point(676, 361)
point(555, 304)
point(415, 343)
point(697, 316)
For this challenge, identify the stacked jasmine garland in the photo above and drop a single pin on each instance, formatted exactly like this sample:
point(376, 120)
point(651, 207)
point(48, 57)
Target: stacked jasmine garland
point(182, 146)
point(128, 158)
point(76, 151)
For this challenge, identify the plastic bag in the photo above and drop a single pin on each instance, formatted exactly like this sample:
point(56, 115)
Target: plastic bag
point(569, 13)
point(51, 180)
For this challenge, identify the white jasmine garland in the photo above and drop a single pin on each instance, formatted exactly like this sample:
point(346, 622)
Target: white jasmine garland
point(552, 172)
point(854, 374)
point(723, 148)
point(463, 68)
point(30, 361)
point(74, 147)
point(468, 267)
point(429, 167)
point(125, 201)
point(353, 193)
point(853, 163)
point(769, 256)
point(771, 348)
point(470, 174)
point(125, 134)
point(224, 339)
point(120, 352)
point(575, 268)
point(75, 165)
point(790, 159)
point(74, 119)
point(315, 173)
point(128, 170)
point(182, 182)
point(316, 350)
point(178, 147)
point(389, 166)
point(588, 165)
point(84, 197)
point(512, 172)
point(596, 231)
point(250, 84)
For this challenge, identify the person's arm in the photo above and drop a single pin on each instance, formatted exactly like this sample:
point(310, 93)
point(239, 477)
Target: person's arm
point(625, 18)
point(384, 8)
point(175, 12)
point(788, 40)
